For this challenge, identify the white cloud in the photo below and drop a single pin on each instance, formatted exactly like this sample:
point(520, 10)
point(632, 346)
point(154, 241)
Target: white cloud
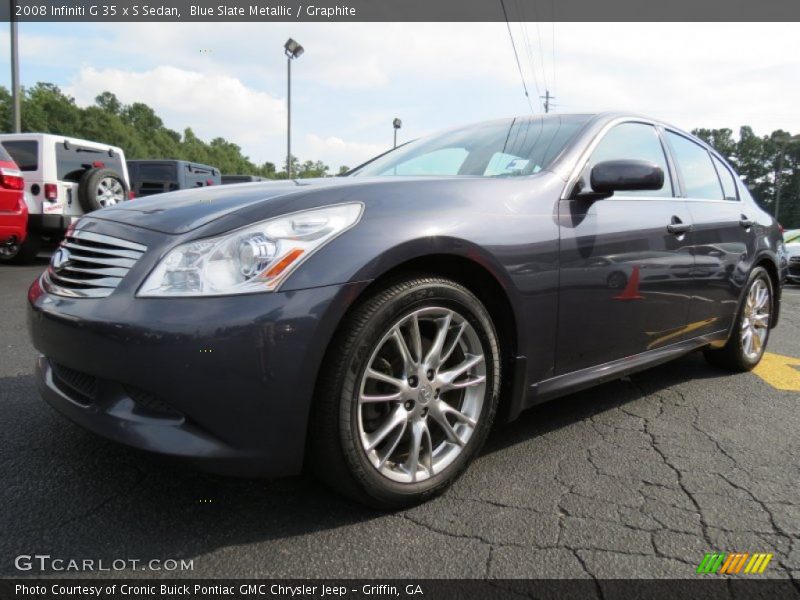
point(212, 104)
point(335, 151)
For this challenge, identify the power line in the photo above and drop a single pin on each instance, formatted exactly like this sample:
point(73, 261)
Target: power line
point(531, 62)
point(516, 56)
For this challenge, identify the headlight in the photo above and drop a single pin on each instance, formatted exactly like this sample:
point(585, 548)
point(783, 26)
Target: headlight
point(254, 259)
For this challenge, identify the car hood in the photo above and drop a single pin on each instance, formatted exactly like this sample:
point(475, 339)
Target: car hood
point(186, 210)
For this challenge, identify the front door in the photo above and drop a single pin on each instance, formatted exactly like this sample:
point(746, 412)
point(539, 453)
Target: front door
point(624, 263)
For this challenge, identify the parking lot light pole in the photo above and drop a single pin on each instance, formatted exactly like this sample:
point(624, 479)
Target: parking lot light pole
point(293, 50)
point(397, 124)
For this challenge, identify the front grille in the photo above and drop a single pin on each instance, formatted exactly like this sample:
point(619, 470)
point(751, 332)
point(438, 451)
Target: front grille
point(76, 381)
point(794, 269)
point(795, 259)
point(90, 265)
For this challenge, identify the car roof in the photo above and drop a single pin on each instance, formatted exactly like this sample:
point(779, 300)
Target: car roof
point(51, 137)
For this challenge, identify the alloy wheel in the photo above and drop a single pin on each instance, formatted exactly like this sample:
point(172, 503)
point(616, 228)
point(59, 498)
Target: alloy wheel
point(421, 394)
point(110, 192)
point(755, 320)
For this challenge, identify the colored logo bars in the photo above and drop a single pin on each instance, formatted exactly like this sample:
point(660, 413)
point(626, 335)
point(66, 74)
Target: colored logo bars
point(733, 563)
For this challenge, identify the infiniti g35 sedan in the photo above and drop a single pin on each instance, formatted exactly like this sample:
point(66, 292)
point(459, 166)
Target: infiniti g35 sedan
point(374, 326)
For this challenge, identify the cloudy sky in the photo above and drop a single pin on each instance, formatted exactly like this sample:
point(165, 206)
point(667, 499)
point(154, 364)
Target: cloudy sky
point(229, 80)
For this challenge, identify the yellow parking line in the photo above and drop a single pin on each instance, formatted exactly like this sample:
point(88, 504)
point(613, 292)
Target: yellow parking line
point(781, 372)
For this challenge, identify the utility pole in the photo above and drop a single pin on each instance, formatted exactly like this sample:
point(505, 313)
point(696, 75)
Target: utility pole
point(17, 124)
point(547, 97)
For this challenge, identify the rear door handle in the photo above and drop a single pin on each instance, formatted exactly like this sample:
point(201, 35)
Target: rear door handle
point(678, 227)
point(745, 222)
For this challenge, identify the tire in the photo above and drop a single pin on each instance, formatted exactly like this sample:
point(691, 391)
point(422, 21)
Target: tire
point(617, 280)
point(21, 254)
point(100, 188)
point(343, 426)
point(739, 353)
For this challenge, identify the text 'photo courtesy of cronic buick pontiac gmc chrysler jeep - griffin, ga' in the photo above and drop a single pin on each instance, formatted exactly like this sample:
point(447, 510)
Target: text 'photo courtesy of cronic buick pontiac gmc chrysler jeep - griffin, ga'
point(374, 326)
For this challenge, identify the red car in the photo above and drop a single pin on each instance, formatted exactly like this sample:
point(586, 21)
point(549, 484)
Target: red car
point(13, 212)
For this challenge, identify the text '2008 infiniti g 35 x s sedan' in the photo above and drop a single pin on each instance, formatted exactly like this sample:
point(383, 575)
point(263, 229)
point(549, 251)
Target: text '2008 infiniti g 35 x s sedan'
point(373, 326)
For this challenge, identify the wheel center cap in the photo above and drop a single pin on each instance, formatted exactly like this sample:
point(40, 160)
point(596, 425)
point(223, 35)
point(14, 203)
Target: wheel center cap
point(425, 393)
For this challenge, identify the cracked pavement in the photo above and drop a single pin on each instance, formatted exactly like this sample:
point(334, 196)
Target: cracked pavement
point(637, 478)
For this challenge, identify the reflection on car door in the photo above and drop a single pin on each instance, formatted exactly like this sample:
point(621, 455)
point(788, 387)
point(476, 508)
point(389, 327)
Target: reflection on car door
point(722, 240)
point(624, 278)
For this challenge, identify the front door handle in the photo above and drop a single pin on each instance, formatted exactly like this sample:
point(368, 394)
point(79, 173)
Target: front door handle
point(678, 227)
point(745, 222)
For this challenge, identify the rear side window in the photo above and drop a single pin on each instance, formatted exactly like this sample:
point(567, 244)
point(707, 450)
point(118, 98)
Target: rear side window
point(25, 153)
point(699, 175)
point(634, 141)
point(726, 178)
point(157, 172)
point(73, 161)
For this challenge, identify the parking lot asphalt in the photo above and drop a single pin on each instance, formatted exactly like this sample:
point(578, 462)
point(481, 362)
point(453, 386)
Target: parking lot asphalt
point(638, 478)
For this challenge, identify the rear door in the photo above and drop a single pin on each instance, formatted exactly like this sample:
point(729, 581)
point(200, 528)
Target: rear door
point(623, 274)
point(723, 238)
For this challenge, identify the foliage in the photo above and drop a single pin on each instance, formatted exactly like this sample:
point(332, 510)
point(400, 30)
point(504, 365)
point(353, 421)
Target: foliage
point(137, 129)
point(764, 163)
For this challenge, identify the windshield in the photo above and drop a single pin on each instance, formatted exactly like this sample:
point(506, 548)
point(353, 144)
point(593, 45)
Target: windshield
point(508, 148)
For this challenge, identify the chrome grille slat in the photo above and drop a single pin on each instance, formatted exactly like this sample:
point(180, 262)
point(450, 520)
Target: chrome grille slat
point(90, 265)
point(125, 263)
point(100, 272)
point(79, 248)
point(108, 282)
point(109, 241)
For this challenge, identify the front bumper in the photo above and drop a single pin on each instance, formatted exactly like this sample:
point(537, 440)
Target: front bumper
point(224, 382)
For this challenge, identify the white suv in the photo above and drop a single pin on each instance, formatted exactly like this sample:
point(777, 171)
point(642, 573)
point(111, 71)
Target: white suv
point(64, 179)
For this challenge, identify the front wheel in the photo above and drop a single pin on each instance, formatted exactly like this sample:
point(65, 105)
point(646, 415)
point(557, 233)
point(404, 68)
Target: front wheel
point(750, 333)
point(408, 393)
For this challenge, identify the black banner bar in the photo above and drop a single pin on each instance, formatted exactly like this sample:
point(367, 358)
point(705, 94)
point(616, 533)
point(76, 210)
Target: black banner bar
point(702, 587)
point(397, 10)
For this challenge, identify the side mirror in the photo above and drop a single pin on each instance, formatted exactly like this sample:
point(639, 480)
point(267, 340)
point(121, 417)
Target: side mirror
point(625, 176)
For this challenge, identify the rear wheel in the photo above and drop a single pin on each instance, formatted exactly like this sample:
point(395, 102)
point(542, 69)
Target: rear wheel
point(748, 340)
point(407, 395)
point(101, 188)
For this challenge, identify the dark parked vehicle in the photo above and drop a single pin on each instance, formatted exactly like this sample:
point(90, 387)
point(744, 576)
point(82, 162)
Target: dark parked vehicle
point(150, 177)
point(375, 325)
point(227, 179)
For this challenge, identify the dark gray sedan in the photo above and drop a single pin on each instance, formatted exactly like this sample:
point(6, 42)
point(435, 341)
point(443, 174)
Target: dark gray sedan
point(374, 326)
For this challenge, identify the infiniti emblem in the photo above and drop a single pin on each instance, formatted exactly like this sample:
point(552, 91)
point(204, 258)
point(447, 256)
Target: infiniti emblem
point(60, 259)
point(425, 394)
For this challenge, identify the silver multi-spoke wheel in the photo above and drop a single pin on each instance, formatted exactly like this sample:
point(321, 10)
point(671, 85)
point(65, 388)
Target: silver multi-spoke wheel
point(421, 394)
point(110, 192)
point(755, 319)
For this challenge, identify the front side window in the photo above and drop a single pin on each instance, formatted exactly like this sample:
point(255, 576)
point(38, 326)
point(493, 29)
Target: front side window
point(700, 178)
point(509, 148)
point(633, 141)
